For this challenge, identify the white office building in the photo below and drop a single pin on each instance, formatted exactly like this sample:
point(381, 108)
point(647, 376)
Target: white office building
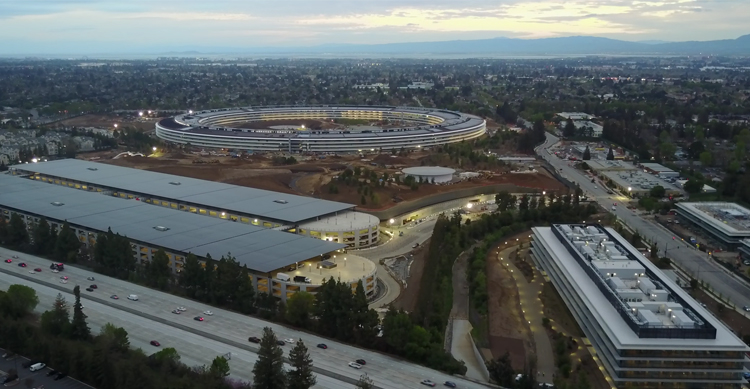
point(646, 331)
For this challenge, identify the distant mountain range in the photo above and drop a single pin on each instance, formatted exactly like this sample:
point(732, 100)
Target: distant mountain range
point(574, 45)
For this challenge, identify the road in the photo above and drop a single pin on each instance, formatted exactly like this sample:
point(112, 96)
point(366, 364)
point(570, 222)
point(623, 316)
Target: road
point(685, 255)
point(385, 370)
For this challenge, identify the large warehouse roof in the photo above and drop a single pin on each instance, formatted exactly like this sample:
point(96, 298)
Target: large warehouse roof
point(261, 249)
point(230, 198)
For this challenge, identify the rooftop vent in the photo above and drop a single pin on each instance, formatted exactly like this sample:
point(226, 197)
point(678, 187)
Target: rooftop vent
point(57, 203)
point(92, 168)
point(174, 183)
point(280, 201)
point(161, 228)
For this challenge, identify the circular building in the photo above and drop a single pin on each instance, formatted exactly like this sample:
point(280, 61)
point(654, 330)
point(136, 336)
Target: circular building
point(322, 129)
point(309, 275)
point(431, 174)
point(355, 229)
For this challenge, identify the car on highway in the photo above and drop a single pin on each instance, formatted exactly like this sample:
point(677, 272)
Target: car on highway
point(133, 297)
point(450, 384)
point(361, 362)
point(355, 365)
point(15, 256)
point(176, 311)
point(90, 289)
point(746, 308)
point(8, 260)
point(253, 339)
point(32, 272)
point(57, 266)
point(198, 318)
point(93, 286)
point(323, 346)
point(114, 297)
point(64, 278)
point(38, 270)
point(428, 383)
point(181, 309)
point(280, 342)
point(208, 313)
point(63, 281)
point(90, 278)
point(55, 271)
point(22, 264)
point(289, 340)
point(155, 343)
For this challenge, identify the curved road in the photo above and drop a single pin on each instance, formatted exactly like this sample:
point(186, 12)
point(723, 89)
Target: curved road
point(684, 254)
point(385, 370)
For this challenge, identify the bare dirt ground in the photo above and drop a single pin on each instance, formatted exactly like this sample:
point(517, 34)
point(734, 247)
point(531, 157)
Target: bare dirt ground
point(407, 300)
point(507, 332)
point(95, 120)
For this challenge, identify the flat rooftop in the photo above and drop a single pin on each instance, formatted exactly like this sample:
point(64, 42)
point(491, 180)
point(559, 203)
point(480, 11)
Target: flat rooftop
point(659, 168)
point(261, 249)
point(603, 309)
point(349, 221)
point(730, 218)
point(349, 268)
point(639, 181)
point(260, 203)
point(607, 165)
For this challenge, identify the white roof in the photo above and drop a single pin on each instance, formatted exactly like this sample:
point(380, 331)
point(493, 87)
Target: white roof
point(429, 171)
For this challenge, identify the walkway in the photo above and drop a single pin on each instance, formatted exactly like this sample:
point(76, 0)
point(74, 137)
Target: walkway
point(533, 313)
point(459, 329)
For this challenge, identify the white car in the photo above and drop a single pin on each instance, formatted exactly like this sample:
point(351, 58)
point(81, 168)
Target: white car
point(181, 309)
point(290, 341)
point(208, 313)
point(63, 281)
point(133, 297)
point(55, 271)
point(32, 272)
point(355, 365)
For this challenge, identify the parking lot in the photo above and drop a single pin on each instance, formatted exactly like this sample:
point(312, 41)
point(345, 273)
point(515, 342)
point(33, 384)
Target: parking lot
point(36, 379)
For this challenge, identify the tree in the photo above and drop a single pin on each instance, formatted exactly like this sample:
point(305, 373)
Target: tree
point(114, 336)
point(158, 272)
point(569, 130)
point(657, 192)
point(505, 201)
point(43, 239)
point(501, 371)
point(21, 299)
point(706, 158)
point(67, 244)
point(397, 328)
point(219, 367)
point(191, 275)
point(299, 307)
point(586, 154)
point(693, 186)
point(57, 321)
point(301, 377)
point(268, 372)
point(365, 382)
point(79, 329)
point(167, 355)
point(610, 154)
point(17, 235)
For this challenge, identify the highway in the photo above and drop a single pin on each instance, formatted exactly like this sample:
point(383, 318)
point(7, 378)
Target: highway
point(685, 255)
point(386, 371)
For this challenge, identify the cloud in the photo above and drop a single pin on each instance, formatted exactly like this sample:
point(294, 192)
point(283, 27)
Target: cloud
point(112, 23)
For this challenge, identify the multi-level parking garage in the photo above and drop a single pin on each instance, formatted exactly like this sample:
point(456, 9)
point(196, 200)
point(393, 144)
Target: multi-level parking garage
point(387, 128)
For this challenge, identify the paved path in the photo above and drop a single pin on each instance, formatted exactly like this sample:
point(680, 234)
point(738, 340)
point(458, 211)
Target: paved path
point(532, 309)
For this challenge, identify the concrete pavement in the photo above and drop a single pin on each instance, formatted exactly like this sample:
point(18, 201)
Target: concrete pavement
point(693, 261)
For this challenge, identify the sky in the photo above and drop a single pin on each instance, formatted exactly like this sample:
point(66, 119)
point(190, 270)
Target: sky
point(103, 26)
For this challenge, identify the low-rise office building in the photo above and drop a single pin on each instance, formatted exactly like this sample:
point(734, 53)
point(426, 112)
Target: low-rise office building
point(646, 331)
point(639, 184)
point(265, 252)
point(723, 224)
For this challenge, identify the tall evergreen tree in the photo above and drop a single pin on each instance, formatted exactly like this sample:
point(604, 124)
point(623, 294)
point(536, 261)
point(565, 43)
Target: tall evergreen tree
point(17, 235)
point(301, 377)
point(43, 238)
point(57, 321)
point(191, 275)
point(158, 272)
point(67, 244)
point(586, 154)
point(268, 372)
point(219, 367)
point(79, 329)
point(611, 154)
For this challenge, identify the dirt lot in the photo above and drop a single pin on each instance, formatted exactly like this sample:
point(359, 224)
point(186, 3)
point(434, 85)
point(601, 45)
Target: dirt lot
point(507, 332)
point(407, 300)
point(108, 121)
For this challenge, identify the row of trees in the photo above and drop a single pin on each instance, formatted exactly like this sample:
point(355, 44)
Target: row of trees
point(62, 245)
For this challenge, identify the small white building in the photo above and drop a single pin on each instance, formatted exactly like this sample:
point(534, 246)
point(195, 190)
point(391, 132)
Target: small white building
point(430, 174)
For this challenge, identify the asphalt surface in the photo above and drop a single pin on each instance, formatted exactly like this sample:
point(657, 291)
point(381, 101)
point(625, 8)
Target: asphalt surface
point(684, 254)
point(38, 378)
point(386, 371)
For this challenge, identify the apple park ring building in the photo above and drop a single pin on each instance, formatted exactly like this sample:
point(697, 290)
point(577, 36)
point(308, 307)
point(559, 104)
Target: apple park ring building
point(322, 129)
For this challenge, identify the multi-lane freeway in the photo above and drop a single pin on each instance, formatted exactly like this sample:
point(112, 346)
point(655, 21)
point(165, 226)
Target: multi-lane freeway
point(684, 254)
point(154, 320)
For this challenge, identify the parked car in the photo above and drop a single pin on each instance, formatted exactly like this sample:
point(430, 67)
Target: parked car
point(9, 378)
point(322, 345)
point(52, 372)
point(37, 366)
point(60, 376)
point(253, 339)
point(155, 343)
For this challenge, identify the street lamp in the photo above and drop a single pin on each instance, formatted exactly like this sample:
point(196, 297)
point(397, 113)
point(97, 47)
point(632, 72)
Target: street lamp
point(190, 111)
point(154, 148)
point(391, 221)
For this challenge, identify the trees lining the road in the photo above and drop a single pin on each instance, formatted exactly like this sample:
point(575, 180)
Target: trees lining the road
point(268, 371)
point(301, 376)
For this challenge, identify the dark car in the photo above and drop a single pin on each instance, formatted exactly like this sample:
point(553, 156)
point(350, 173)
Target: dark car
point(39, 269)
point(8, 260)
point(322, 345)
point(90, 289)
point(22, 264)
point(114, 297)
point(450, 384)
point(61, 376)
point(253, 339)
point(280, 342)
point(93, 286)
point(8, 379)
point(198, 318)
point(155, 343)
point(52, 372)
point(361, 361)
